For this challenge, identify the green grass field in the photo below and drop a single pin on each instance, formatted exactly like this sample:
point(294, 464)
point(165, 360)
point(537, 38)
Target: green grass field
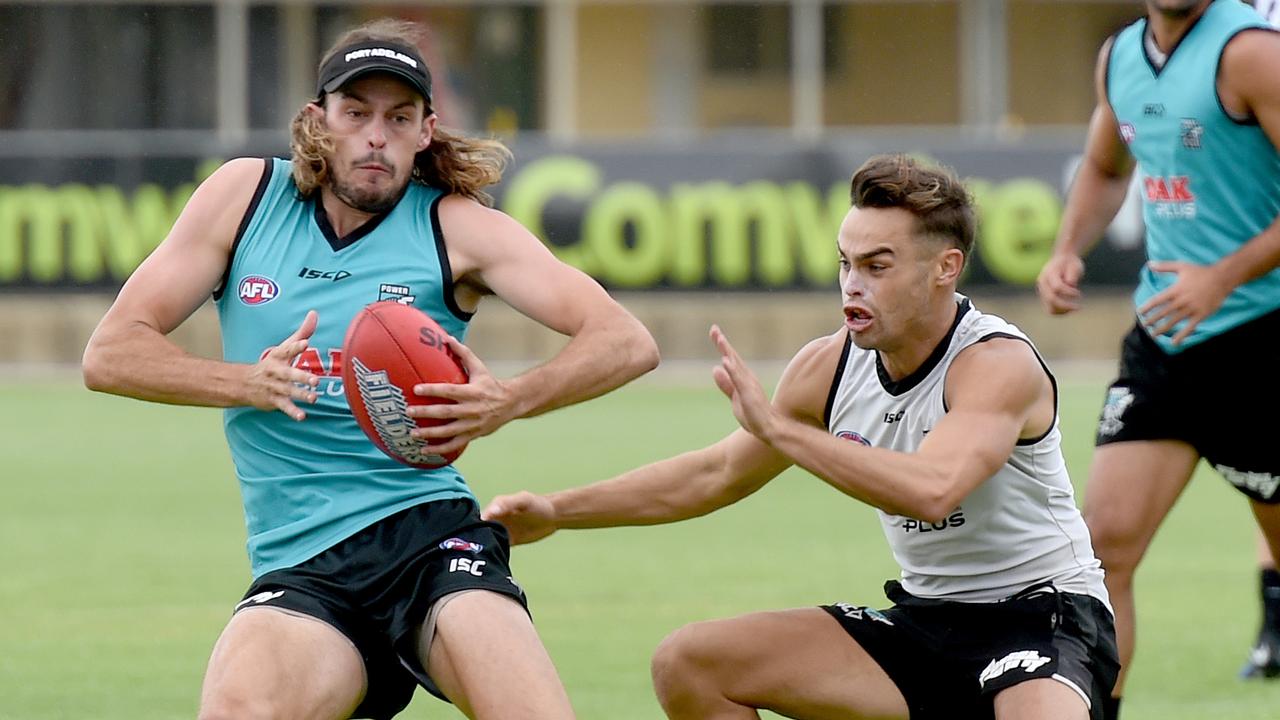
point(122, 544)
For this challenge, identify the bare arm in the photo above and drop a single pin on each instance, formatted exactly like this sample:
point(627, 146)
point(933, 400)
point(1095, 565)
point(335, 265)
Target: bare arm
point(129, 353)
point(962, 450)
point(1092, 203)
point(1258, 93)
point(608, 346)
point(685, 486)
point(679, 488)
point(1248, 85)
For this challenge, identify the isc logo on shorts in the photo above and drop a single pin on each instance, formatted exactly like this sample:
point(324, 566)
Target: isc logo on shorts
point(467, 565)
point(256, 290)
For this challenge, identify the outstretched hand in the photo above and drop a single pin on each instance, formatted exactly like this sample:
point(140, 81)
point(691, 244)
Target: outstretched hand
point(274, 383)
point(477, 408)
point(527, 517)
point(750, 404)
point(1196, 294)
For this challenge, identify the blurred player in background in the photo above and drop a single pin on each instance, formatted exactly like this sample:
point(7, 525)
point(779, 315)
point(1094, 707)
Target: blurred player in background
point(942, 417)
point(1191, 94)
point(370, 577)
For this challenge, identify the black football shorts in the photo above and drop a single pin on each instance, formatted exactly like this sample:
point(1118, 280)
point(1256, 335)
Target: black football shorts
point(950, 659)
point(1219, 396)
point(377, 587)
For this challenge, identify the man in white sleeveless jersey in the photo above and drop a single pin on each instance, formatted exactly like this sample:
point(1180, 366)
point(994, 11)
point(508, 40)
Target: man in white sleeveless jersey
point(943, 418)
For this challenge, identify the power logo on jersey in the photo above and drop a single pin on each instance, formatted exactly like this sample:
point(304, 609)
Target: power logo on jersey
point(400, 293)
point(1192, 131)
point(257, 289)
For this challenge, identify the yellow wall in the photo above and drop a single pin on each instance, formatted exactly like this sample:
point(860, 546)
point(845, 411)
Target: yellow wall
point(615, 84)
point(898, 65)
point(1052, 52)
point(744, 101)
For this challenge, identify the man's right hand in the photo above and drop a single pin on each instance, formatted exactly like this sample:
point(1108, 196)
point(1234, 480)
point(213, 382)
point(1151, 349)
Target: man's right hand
point(527, 517)
point(1059, 283)
point(274, 383)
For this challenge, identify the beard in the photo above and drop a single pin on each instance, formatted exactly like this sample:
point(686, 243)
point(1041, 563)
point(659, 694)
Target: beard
point(367, 199)
point(1174, 9)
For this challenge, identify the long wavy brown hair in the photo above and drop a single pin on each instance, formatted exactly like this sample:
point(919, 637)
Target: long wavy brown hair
point(452, 162)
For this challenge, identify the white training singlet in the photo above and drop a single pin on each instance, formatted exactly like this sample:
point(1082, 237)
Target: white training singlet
point(1019, 528)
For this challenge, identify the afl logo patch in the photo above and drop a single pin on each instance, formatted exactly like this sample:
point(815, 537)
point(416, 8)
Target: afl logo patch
point(851, 435)
point(256, 289)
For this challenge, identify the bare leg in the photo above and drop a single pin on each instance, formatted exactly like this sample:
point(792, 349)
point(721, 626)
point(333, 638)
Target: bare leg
point(1268, 517)
point(1132, 486)
point(797, 663)
point(1266, 558)
point(1041, 699)
point(269, 663)
point(487, 659)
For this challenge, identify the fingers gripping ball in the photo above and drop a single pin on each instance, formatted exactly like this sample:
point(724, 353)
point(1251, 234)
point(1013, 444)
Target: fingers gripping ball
point(390, 348)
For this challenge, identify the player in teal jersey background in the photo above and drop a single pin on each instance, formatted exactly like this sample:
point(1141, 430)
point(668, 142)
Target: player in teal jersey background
point(370, 577)
point(1189, 95)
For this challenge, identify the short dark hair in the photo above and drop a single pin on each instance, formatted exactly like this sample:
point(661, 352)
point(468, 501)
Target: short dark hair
point(932, 193)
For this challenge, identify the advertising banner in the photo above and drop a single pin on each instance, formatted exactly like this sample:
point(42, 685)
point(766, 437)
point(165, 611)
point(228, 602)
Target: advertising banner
point(747, 215)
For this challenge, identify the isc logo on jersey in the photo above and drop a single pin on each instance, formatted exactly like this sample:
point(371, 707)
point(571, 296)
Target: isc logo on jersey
point(257, 289)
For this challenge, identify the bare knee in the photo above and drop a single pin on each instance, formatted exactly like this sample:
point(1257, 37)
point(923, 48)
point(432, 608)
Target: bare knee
point(1115, 542)
point(681, 665)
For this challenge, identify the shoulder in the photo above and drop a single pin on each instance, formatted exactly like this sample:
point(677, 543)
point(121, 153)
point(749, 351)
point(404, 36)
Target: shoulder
point(465, 213)
point(808, 379)
point(220, 203)
point(239, 175)
point(994, 367)
point(1251, 48)
point(1241, 67)
point(466, 224)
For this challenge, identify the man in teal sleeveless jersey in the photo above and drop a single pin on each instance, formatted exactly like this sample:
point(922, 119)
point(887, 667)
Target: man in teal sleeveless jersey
point(370, 577)
point(1189, 95)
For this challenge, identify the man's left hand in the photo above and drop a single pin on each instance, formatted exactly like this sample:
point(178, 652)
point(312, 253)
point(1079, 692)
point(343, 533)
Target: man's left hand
point(1197, 293)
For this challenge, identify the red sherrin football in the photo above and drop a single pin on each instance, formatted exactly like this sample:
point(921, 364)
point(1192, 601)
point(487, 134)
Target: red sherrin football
point(389, 348)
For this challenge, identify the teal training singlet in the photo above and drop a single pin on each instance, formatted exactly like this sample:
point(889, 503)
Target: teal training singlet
point(1210, 181)
point(308, 485)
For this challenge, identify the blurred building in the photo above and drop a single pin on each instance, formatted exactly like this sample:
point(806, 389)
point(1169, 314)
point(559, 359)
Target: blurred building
point(696, 154)
point(570, 68)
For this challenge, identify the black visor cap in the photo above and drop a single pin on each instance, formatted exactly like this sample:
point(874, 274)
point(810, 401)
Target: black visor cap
point(365, 57)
